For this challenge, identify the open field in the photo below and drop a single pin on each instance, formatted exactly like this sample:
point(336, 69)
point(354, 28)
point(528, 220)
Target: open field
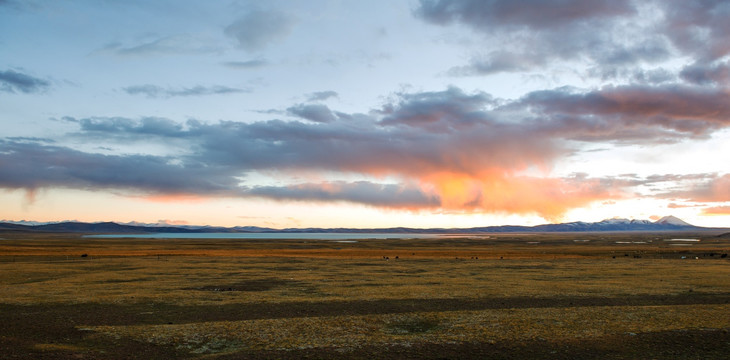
point(601, 296)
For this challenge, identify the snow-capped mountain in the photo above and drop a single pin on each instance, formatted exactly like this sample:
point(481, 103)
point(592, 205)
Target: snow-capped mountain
point(672, 220)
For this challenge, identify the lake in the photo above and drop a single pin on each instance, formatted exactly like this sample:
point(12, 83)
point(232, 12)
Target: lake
point(293, 236)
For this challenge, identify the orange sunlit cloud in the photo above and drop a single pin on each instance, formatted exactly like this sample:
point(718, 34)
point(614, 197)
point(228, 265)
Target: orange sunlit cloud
point(493, 193)
point(549, 198)
point(716, 210)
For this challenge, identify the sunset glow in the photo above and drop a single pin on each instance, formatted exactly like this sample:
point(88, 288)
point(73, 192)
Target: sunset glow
point(430, 113)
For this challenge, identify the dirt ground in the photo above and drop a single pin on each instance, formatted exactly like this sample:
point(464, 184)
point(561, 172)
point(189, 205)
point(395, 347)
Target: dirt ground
point(531, 296)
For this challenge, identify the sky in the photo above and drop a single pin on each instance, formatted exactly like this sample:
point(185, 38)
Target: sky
point(327, 113)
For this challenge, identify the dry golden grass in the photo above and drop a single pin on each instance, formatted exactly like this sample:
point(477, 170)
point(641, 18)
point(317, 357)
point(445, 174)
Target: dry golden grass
point(219, 297)
point(348, 332)
point(183, 280)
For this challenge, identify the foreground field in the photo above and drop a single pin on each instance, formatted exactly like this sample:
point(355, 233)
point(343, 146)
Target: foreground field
point(510, 296)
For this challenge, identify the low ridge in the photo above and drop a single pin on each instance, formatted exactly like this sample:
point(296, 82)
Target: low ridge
point(667, 223)
point(672, 220)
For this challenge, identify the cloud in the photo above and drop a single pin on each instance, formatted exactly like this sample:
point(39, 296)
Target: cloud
point(249, 64)
point(27, 165)
point(13, 4)
point(679, 206)
point(312, 112)
point(632, 113)
point(539, 15)
point(611, 37)
point(257, 29)
point(165, 45)
point(154, 91)
point(652, 76)
point(531, 34)
point(13, 82)
point(496, 62)
point(451, 108)
point(522, 195)
point(361, 192)
point(702, 74)
point(712, 188)
point(716, 210)
point(699, 28)
point(322, 95)
point(438, 151)
point(446, 149)
point(150, 126)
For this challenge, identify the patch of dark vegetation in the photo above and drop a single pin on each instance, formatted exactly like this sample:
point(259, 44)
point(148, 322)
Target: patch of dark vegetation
point(412, 325)
point(413, 271)
point(708, 344)
point(249, 285)
point(91, 314)
point(527, 267)
point(116, 281)
point(286, 268)
point(362, 285)
point(28, 326)
point(364, 264)
point(283, 260)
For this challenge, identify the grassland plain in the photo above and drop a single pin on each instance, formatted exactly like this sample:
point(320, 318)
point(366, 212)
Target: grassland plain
point(601, 296)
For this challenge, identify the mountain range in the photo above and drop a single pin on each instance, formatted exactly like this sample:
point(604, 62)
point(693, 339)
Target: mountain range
point(667, 223)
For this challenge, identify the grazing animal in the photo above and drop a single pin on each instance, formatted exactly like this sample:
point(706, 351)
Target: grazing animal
point(84, 255)
point(723, 255)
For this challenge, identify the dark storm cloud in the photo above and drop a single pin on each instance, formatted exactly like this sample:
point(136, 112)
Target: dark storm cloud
point(312, 112)
point(16, 82)
point(534, 14)
point(701, 74)
point(322, 95)
point(257, 29)
point(698, 27)
point(154, 91)
point(118, 125)
point(450, 108)
point(612, 36)
point(362, 192)
point(632, 113)
point(538, 32)
point(30, 165)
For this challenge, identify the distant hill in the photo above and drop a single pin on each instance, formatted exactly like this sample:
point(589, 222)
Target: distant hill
point(668, 223)
point(672, 220)
point(103, 227)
